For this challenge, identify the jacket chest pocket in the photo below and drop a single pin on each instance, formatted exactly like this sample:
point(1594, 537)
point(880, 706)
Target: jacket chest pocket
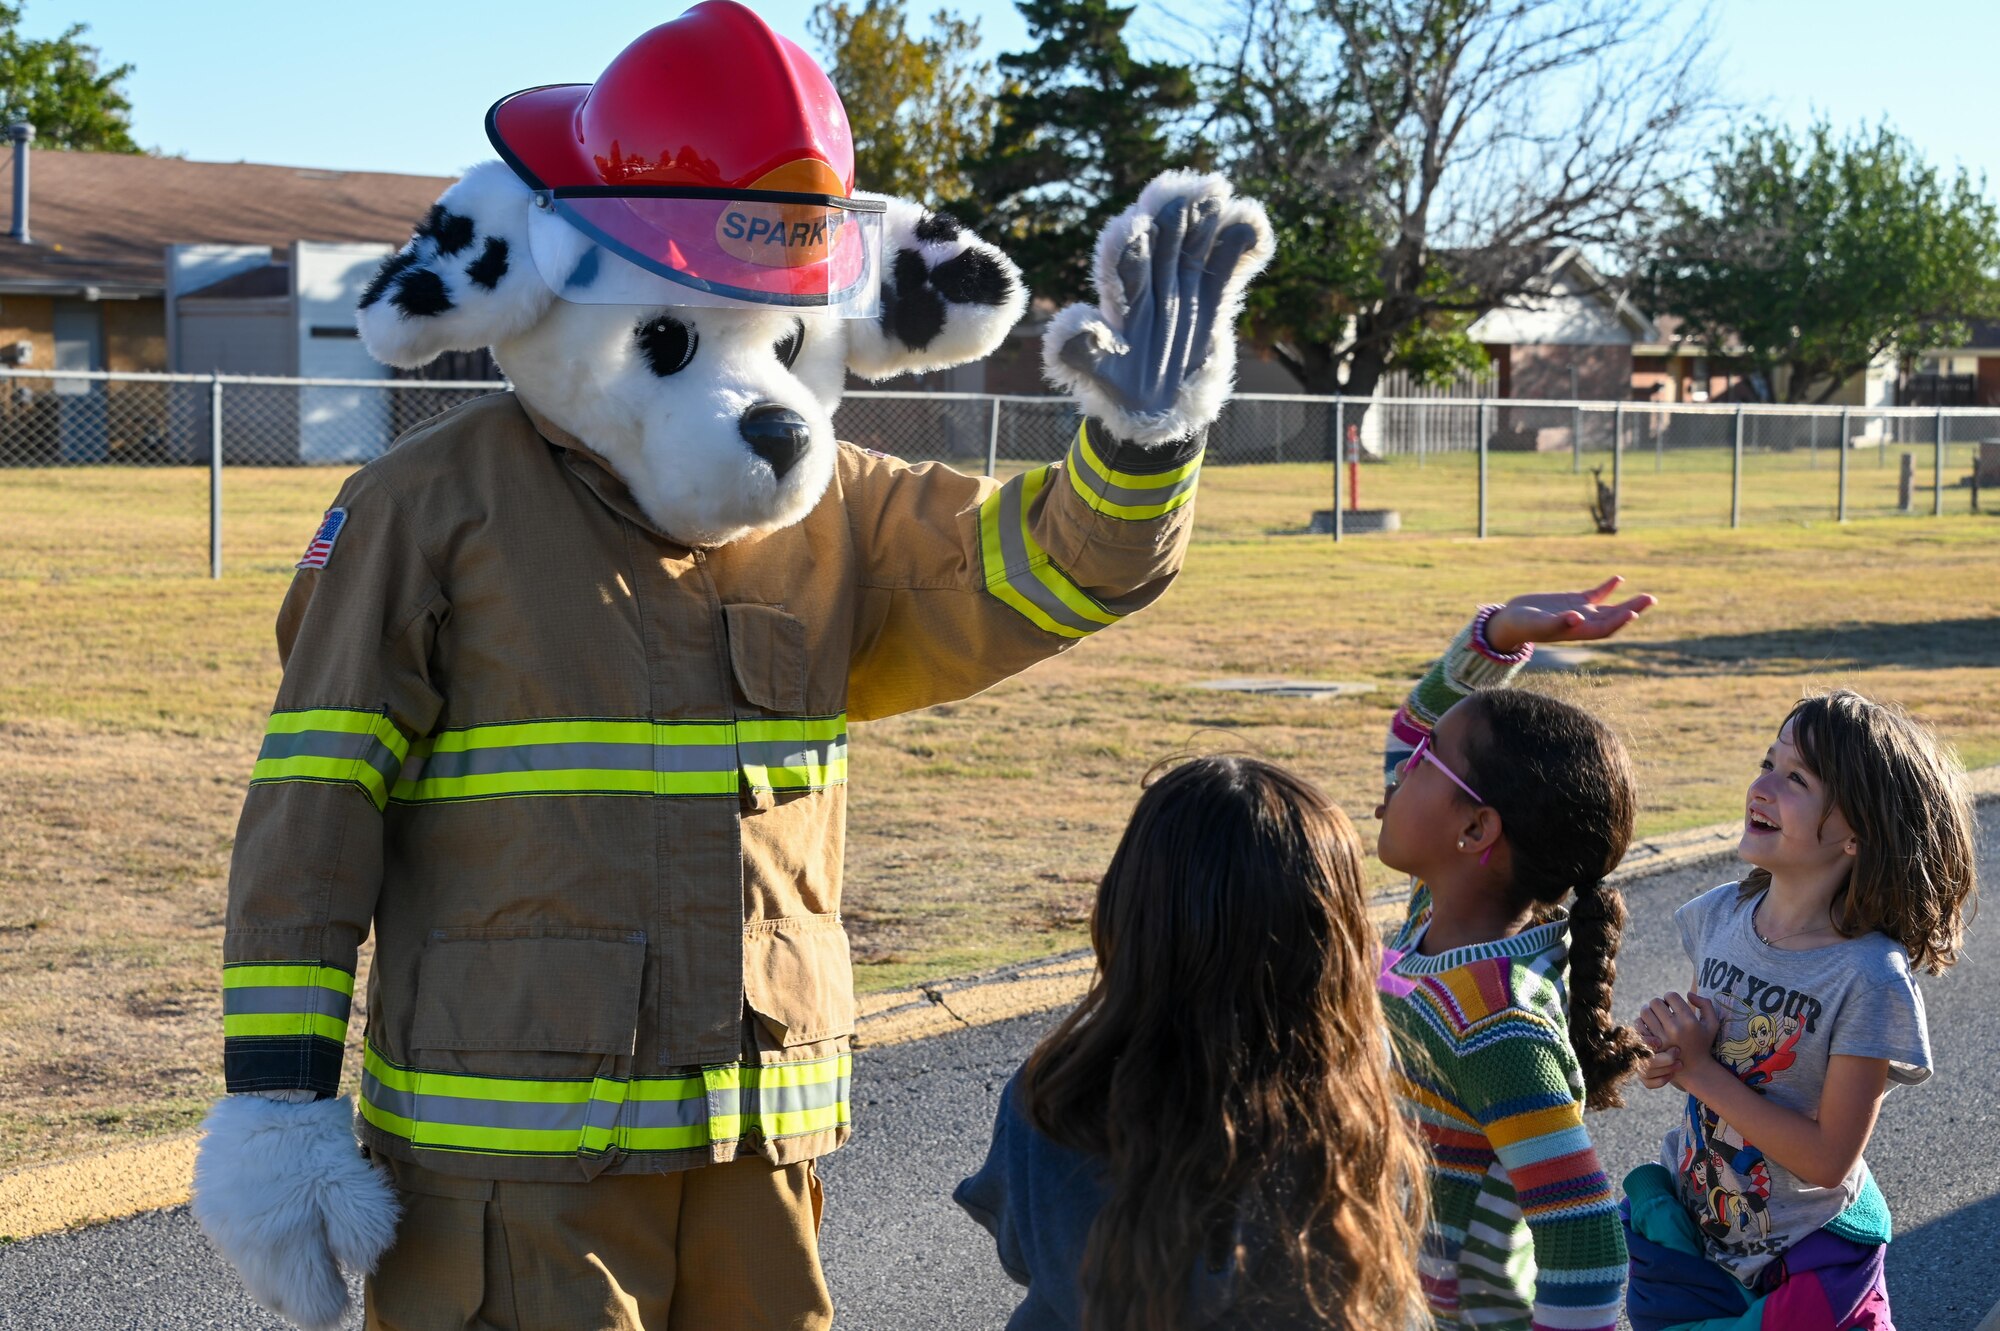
point(767, 655)
point(570, 997)
point(784, 751)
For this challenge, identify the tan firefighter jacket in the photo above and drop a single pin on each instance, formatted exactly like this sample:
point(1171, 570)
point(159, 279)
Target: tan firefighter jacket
point(587, 785)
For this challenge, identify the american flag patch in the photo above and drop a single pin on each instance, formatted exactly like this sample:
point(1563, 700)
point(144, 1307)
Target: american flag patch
point(321, 548)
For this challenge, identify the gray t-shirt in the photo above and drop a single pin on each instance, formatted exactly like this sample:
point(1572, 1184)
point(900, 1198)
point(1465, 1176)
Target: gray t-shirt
point(1784, 1014)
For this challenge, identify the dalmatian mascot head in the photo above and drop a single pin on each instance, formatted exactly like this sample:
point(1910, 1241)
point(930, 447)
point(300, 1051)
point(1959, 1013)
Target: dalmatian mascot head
point(673, 264)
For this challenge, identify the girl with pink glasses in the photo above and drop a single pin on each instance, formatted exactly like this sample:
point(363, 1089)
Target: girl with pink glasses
point(1501, 805)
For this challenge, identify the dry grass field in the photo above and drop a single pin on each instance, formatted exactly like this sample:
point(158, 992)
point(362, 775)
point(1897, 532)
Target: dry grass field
point(133, 690)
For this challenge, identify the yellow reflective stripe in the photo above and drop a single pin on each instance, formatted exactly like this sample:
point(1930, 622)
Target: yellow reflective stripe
point(239, 1025)
point(1019, 583)
point(510, 734)
point(335, 771)
point(602, 1098)
point(287, 733)
point(463, 1086)
point(578, 781)
point(1160, 480)
point(811, 777)
point(285, 998)
point(818, 746)
point(1047, 574)
point(1129, 512)
point(663, 1139)
point(394, 1124)
point(1173, 488)
point(259, 975)
point(816, 1073)
point(994, 562)
point(343, 720)
point(628, 757)
point(800, 1122)
point(757, 730)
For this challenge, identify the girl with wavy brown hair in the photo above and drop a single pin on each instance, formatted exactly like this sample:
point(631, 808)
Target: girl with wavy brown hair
point(1801, 1015)
point(1212, 1139)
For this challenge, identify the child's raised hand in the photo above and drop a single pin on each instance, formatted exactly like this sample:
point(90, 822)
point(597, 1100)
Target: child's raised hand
point(1660, 1069)
point(1562, 617)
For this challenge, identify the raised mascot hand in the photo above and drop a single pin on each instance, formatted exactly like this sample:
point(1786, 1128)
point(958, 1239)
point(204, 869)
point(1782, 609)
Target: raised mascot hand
point(1155, 359)
point(283, 1192)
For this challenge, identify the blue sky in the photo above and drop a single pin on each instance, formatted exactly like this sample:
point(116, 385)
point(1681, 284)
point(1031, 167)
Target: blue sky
point(370, 85)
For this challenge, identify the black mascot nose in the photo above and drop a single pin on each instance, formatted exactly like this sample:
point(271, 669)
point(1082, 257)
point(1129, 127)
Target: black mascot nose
point(776, 434)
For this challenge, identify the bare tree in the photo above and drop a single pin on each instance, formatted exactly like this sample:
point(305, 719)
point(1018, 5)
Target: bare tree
point(1440, 153)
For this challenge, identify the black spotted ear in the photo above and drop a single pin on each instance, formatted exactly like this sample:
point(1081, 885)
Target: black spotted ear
point(464, 281)
point(948, 297)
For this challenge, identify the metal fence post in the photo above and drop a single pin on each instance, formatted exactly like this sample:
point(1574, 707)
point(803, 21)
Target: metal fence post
point(1339, 456)
point(1660, 444)
point(1937, 470)
point(1576, 441)
point(1481, 427)
point(1736, 473)
point(215, 475)
point(1617, 464)
point(993, 440)
point(1845, 444)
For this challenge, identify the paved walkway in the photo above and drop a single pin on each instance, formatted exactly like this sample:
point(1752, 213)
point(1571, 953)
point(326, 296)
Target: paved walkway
point(900, 1256)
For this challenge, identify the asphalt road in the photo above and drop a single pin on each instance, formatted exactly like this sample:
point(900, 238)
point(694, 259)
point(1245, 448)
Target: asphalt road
point(901, 1257)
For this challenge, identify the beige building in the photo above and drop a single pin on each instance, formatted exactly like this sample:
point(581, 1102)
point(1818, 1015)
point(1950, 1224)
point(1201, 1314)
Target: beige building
point(137, 263)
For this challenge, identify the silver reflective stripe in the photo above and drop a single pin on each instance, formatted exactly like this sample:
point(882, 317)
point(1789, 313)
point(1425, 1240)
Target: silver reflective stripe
point(1021, 576)
point(793, 1099)
point(577, 756)
point(262, 1000)
point(689, 1113)
point(1122, 495)
point(340, 744)
point(794, 753)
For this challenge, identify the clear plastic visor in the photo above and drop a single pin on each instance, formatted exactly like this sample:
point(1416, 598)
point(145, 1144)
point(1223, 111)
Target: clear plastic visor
point(759, 250)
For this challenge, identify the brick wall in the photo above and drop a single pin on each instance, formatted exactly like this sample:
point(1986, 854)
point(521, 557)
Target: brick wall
point(1603, 373)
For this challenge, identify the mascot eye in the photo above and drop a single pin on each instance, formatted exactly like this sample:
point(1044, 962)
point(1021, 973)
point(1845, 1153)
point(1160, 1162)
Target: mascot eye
point(668, 343)
point(791, 344)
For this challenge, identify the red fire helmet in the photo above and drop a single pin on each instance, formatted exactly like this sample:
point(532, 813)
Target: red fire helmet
point(712, 160)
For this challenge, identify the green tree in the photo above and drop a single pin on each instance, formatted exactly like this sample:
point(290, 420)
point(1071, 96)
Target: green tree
point(1815, 255)
point(917, 106)
point(1294, 132)
point(57, 85)
point(1083, 125)
point(1424, 159)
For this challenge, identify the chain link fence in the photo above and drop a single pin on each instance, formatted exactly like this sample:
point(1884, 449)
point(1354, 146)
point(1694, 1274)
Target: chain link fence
point(132, 473)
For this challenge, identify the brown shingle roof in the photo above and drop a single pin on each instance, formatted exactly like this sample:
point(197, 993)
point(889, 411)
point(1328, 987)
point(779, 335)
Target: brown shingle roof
point(105, 219)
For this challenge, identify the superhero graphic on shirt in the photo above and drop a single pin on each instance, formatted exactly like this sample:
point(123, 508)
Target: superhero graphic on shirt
point(1724, 1177)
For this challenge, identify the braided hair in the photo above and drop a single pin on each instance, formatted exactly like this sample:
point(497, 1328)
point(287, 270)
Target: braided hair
point(1562, 785)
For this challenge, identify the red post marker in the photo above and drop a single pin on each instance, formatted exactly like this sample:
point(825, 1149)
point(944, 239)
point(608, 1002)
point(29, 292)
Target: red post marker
point(1354, 468)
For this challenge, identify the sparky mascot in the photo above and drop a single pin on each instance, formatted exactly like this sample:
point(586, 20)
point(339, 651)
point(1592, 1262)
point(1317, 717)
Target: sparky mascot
point(568, 676)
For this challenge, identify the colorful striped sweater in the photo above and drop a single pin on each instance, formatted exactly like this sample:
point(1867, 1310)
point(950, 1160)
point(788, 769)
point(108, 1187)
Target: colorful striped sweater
point(1524, 1226)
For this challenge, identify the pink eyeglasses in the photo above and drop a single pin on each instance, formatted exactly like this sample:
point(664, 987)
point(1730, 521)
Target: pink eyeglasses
point(1423, 754)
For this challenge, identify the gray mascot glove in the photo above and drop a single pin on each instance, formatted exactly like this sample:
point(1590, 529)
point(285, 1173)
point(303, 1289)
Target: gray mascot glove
point(1156, 358)
point(284, 1193)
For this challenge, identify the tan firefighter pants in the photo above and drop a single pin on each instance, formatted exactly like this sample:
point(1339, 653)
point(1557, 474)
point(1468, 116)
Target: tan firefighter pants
point(730, 1247)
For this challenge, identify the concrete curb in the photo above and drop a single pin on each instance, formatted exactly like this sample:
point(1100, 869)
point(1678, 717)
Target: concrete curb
point(112, 1184)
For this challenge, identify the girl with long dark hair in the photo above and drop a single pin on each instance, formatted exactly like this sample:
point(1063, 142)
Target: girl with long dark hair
point(1212, 1138)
